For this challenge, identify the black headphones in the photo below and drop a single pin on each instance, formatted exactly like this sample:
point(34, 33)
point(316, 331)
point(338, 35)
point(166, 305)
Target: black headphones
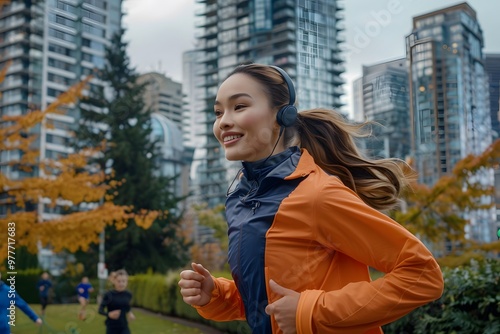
point(287, 115)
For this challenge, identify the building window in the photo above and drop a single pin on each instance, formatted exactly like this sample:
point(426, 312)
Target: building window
point(54, 92)
point(62, 20)
point(93, 30)
point(97, 61)
point(61, 35)
point(62, 65)
point(63, 6)
point(59, 79)
point(59, 140)
point(97, 3)
point(93, 16)
point(93, 44)
point(61, 50)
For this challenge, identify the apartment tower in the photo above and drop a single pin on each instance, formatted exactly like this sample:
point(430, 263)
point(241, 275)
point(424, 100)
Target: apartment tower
point(301, 36)
point(49, 46)
point(381, 96)
point(450, 109)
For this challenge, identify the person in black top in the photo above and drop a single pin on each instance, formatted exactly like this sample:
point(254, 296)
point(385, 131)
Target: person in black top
point(43, 285)
point(117, 305)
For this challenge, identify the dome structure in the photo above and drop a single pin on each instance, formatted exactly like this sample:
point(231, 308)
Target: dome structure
point(168, 136)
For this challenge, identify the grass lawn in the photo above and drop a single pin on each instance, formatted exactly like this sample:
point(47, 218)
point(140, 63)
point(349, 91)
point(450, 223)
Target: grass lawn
point(63, 319)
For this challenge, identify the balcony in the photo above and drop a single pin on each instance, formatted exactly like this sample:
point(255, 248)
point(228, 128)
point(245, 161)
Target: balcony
point(207, 22)
point(288, 25)
point(284, 3)
point(209, 9)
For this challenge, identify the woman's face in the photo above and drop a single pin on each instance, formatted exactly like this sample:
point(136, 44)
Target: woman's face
point(120, 282)
point(245, 123)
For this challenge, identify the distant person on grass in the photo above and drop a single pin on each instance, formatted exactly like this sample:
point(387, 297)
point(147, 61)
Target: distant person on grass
point(8, 300)
point(43, 285)
point(84, 289)
point(115, 305)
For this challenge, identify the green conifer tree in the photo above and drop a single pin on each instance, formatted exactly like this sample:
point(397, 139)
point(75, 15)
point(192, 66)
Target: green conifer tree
point(117, 118)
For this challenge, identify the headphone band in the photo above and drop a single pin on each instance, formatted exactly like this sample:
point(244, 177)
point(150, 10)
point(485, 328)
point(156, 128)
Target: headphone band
point(289, 83)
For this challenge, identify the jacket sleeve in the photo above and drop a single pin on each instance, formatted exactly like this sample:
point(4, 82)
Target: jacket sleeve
point(25, 307)
point(104, 304)
point(353, 229)
point(226, 303)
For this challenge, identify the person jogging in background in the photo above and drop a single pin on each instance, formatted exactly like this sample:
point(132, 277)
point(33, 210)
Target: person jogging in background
point(10, 301)
point(84, 289)
point(43, 285)
point(305, 220)
point(116, 307)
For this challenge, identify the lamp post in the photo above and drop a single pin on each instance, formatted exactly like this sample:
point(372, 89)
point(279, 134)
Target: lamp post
point(102, 272)
point(101, 267)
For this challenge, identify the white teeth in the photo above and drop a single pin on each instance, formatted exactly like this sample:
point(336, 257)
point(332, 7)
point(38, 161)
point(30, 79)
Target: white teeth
point(228, 138)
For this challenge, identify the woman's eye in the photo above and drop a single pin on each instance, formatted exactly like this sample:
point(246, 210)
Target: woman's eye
point(239, 106)
point(218, 113)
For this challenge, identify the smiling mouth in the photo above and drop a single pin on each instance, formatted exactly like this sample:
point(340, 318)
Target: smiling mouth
point(230, 138)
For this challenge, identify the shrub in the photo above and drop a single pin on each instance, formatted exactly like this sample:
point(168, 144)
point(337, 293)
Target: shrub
point(161, 294)
point(25, 283)
point(470, 303)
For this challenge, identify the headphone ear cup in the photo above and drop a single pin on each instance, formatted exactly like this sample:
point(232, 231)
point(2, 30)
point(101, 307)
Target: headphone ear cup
point(286, 116)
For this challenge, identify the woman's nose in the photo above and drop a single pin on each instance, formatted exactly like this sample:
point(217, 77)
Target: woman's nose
point(225, 121)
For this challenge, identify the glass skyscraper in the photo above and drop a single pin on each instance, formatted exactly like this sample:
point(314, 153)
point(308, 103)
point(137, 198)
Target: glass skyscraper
point(382, 97)
point(450, 104)
point(492, 66)
point(301, 36)
point(448, 86)
point(49, 46)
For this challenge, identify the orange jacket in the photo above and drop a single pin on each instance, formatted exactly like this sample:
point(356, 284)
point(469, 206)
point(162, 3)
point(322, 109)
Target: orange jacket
point(321, 242)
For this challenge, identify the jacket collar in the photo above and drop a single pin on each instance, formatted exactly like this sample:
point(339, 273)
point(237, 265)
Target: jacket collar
point(305, 166)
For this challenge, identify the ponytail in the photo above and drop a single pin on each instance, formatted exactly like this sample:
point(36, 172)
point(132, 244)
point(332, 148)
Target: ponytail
point(329, 138)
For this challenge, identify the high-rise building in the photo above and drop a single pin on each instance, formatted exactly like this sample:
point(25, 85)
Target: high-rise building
point(382, 97)
point(450, 108)
point(163, 95)
point(195, 120)
point(301, 36)
point(492, 66)
point(49, 46)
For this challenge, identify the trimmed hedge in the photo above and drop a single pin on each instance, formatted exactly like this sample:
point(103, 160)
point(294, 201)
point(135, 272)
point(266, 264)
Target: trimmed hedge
point(160, 293)
point(63, 288)
point(470, 304)
point(25, 283)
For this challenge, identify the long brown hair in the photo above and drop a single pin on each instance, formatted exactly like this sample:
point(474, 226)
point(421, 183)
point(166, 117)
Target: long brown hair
point(330, 138)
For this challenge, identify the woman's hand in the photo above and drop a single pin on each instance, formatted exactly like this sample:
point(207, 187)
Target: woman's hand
point(114, 314)
point(131, 315)
point(196, 285)
point(285, 308)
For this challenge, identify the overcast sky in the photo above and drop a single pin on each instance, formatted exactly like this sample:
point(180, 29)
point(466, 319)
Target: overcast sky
point(159, 31)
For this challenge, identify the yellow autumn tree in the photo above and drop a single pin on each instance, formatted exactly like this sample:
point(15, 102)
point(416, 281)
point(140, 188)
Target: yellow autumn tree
point(436, 213)
point(66, 182)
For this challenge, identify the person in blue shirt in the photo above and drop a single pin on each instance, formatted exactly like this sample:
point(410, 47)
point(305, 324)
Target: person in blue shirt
point(10, 302)
point(84, 289)
point(43, 285)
